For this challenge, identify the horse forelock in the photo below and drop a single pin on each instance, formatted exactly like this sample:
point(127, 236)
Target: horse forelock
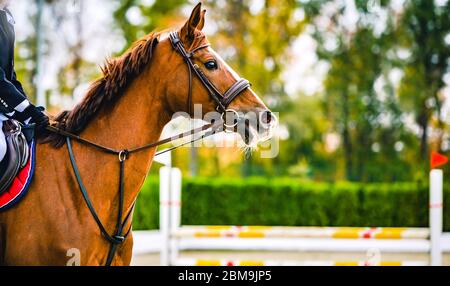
point(118, 74)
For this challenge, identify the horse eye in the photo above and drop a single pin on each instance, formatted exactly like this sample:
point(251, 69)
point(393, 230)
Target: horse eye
point(211, 65)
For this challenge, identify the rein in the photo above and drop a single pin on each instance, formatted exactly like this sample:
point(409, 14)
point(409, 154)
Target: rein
point(222, 100)
point(126, 152)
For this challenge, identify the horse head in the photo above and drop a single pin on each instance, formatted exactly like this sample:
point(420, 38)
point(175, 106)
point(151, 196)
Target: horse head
point(194, 84)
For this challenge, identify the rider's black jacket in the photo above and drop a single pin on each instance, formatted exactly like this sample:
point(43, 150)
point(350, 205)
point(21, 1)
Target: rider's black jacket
point(12, 95)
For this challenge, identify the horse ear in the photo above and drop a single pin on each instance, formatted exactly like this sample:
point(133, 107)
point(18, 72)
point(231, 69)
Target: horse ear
point(187, 31)
point(201, 24)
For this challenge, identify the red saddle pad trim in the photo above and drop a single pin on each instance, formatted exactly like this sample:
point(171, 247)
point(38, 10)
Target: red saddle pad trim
point(20, 184)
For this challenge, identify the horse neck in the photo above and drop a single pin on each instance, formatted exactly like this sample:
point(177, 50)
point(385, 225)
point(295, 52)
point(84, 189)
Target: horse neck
point(136, 119)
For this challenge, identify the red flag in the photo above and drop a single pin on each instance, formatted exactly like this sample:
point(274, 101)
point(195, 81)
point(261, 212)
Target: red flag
point(437, 160)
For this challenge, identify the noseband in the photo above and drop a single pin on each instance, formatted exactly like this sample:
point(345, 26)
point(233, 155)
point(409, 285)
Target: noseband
point(222, 100)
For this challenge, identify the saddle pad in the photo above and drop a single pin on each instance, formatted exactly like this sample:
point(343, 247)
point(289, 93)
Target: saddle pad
point(20, 185)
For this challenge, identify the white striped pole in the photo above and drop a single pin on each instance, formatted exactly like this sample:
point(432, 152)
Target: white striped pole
point(436, 177)
point(164, 213)
point(362, 233)
point(175, 212)
point(225, 262)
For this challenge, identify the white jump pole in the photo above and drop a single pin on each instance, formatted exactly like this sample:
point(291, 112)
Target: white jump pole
point(436, 178)
point(164, 213)
point(164, 204)
point(175, 213)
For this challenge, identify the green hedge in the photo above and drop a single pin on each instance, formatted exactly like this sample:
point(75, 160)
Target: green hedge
point(290, 202)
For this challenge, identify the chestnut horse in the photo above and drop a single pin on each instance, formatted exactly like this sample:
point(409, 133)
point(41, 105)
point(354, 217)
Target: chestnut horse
point(128, 107)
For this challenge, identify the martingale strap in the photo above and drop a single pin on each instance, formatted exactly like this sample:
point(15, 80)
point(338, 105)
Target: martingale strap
point(119, 237)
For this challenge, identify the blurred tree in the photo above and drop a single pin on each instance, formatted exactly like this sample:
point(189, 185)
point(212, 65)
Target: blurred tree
point(25, 65)
point(386, 65)
point(369, 121)
point(424, 26)
point(26, 54)
point(136, 18)
point(254, 37)
point(75, 70)
point(306, 154)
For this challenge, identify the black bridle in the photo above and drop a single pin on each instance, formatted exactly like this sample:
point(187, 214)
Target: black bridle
point(222, 100)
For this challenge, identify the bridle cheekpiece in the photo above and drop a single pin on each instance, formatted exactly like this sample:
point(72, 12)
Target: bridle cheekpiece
point(222, 100)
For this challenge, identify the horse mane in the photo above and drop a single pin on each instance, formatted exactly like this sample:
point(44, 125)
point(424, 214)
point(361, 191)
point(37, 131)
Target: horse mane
point(118, 74)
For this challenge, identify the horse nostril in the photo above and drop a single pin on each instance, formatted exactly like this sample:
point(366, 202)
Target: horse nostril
point(266, 117)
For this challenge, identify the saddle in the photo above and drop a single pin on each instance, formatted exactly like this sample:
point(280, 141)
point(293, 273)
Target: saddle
point(18, 151)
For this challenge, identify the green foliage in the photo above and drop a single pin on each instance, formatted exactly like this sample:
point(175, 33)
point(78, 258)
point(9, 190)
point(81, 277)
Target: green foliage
point(412, 44)
point(25, 71)
point(291, 202)
point(146, 215)
point(269, 31)
point(383, 124)
point(425, 26)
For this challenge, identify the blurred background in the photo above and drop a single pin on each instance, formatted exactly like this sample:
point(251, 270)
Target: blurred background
point(361, 88)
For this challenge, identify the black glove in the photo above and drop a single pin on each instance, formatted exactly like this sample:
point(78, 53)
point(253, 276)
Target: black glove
point(38, 117)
